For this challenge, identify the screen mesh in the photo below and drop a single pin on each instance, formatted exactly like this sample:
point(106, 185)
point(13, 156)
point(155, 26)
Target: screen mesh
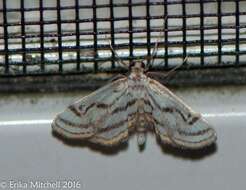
point(76, 36)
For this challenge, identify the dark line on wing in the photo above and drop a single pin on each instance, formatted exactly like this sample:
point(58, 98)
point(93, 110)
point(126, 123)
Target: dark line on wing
point(88, 107)
point(188, 142)
point(158, 122)
point(172, 109)
point(74, 133)
point(114, 126)
point(194, 120)
point(98, 131)
point(130, 103)
point(74, 110)
point(124, 108)
point(182, 132)
point(185, 141)
point(147, 102)
point(196, 142)
point(85, 126)
point(186, 133)
point(192, 134)
point(106, 140)
point(102, 105)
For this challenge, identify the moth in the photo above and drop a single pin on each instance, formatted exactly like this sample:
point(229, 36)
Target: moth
point(134, 103)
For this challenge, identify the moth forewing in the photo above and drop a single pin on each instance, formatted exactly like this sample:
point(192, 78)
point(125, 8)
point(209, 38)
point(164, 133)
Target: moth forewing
point(99, 117)
point(177, 123)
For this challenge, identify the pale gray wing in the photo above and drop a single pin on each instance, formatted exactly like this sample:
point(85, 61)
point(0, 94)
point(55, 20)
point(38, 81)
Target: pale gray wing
point(175, 122)
point(100, 117)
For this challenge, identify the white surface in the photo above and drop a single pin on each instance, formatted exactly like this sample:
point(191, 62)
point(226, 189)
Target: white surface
point(32, 153)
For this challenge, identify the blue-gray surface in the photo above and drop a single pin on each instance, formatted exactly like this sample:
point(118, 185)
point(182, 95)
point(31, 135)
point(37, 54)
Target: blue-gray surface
point(29, 151)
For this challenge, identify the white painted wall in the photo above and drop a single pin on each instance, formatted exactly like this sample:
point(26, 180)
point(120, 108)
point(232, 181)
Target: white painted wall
point(29, 152)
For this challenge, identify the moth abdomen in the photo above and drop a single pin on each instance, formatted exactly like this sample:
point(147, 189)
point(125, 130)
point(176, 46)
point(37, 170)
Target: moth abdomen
point(141, 138)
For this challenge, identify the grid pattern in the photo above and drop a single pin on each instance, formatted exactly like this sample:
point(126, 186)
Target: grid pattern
point(74, 36)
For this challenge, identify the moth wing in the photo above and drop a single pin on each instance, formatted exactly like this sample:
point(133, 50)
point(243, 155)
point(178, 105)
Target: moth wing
point(175, 122)
point(97, 117)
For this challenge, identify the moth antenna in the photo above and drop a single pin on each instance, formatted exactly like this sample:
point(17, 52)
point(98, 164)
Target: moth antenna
point(169, 73)
point(155, 50)
point(153, 54)
point(176, 67)
point(120, 61)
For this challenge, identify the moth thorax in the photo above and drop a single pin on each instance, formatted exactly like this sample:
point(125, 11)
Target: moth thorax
point(141, 138)
point(141, 122)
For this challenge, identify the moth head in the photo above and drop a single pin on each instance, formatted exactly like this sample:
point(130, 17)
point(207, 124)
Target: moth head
point(137, 65)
